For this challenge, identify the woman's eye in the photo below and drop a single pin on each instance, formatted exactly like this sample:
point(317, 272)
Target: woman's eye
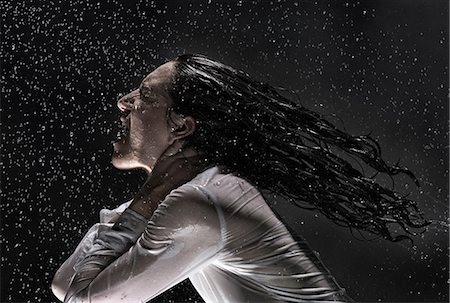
point(150, 99)
point(146, 97)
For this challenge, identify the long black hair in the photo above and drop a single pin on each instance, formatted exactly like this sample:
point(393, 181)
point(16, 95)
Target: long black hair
point(287, 149)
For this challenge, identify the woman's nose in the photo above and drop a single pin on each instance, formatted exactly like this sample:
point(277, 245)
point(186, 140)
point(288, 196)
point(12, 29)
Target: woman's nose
point(126, 102)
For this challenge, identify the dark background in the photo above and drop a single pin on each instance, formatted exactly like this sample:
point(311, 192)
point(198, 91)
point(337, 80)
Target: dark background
point(381, 66)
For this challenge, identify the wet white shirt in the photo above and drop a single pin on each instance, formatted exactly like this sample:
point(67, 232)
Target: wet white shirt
point(218, 231)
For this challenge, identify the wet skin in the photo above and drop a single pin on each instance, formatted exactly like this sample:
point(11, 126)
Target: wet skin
point(155, 139)
point(146, 111)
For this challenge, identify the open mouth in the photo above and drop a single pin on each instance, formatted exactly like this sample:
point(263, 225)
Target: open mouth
point(123, 129)
point(122, 132)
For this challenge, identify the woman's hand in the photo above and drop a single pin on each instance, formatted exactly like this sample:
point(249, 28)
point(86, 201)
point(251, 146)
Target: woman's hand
point(169, 173)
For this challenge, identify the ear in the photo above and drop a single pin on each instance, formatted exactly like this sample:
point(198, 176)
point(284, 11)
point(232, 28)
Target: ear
point(184, 126)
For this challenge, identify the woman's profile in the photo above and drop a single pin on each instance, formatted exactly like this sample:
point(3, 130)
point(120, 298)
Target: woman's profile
point(211, 139)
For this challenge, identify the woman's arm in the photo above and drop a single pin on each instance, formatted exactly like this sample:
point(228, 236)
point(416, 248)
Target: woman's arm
point(168, 174)
point(110, 244)
point(183, 234)
point(64, 274)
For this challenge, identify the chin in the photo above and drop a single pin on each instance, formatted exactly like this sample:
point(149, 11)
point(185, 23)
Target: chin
point(123, 161)
point(119, 164)
point(128, 162)
point(125, 157)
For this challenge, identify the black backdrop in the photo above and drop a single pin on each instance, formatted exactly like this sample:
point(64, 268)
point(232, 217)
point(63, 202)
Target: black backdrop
point(381, 66)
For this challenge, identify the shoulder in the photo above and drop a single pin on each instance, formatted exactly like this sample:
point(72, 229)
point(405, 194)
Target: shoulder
point(189, 193)
point(185, 213)
point(210, 189)
point(188, 202)
point(229, 185)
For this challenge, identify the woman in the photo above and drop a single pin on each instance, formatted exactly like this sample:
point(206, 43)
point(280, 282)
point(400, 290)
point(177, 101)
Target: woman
point(210, 138)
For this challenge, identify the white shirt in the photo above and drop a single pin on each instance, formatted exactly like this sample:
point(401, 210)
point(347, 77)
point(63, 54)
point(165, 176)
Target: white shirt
point(218, 231)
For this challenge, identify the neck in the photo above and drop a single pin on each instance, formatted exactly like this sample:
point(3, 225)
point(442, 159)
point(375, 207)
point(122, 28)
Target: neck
point(197, 160)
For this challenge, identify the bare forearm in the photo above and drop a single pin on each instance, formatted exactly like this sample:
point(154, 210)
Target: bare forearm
point(167, 175)
point(145, 203)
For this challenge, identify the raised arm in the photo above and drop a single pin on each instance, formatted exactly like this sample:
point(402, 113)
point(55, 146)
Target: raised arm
point(64, 274)
point(182, 236)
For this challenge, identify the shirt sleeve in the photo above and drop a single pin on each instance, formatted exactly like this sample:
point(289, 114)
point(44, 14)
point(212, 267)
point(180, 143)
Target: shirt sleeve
point(64, 274)
point(183, 235)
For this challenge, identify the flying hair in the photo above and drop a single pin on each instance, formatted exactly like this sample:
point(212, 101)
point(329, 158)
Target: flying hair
point(289, 150)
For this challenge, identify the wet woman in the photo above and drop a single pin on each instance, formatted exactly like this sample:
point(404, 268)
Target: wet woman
point(211, 140)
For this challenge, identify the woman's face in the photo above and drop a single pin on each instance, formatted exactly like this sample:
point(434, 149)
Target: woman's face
point(145, 114)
